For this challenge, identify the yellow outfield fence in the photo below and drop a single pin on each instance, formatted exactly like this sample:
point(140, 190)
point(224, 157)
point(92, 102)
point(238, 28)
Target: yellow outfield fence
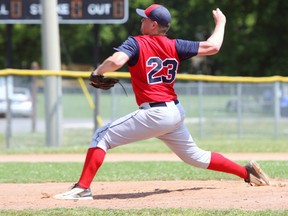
point(192, 77)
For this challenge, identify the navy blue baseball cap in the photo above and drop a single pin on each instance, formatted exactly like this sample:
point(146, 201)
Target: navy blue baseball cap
point(157, 13)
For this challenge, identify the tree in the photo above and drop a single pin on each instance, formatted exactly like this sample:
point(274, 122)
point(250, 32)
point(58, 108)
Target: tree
point(255, 38)
point(254, 45)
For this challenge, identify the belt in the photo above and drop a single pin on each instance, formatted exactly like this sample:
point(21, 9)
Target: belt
point(160, 104)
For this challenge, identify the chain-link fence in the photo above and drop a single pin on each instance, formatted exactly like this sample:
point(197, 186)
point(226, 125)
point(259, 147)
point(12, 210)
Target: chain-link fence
point(214, 109)
point(225, 110)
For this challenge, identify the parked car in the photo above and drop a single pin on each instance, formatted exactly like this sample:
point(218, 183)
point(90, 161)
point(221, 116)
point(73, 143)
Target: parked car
point(21, 103)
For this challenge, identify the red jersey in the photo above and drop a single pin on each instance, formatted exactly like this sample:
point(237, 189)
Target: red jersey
point(154, 74)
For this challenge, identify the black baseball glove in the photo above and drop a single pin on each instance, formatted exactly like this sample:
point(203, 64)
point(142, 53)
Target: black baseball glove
point(101, 82)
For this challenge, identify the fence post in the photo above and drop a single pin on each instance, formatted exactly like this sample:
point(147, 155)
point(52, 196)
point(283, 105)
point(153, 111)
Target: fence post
point(8, 92)
point(200, 108)
point(34, 66)
point(113, 103)
point(239, 109)
point(96, 108)
point(277, 95)
point(96, 63)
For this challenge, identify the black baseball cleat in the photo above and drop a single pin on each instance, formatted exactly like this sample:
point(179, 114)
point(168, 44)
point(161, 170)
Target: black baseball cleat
point(256, 176)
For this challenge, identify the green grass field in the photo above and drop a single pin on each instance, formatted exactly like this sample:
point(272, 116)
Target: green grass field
point(139, 212)
point(123, 171)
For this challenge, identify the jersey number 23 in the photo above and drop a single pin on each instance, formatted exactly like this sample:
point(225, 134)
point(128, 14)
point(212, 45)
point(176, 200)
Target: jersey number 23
point(157, 64)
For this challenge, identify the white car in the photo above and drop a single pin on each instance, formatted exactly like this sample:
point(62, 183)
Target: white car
point(21, 103)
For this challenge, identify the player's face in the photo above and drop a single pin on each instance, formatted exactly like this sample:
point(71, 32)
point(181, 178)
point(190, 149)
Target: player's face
point(147, 26)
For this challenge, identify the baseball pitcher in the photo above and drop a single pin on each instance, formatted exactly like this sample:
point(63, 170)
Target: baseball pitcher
point(153, 60)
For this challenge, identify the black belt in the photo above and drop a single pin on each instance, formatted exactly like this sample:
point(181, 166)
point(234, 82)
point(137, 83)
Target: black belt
point(160, 104)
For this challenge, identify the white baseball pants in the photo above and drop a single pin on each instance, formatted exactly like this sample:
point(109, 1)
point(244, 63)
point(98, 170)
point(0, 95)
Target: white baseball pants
point(165, 123)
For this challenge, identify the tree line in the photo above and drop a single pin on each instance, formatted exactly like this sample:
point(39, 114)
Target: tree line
point(255, 42)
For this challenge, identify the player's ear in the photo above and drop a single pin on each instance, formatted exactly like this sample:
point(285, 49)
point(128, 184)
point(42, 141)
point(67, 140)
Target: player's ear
point(154, 24)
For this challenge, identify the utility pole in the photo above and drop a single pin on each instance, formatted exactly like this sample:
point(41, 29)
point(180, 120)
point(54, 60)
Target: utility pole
point(52, 61)
point(9, 83)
